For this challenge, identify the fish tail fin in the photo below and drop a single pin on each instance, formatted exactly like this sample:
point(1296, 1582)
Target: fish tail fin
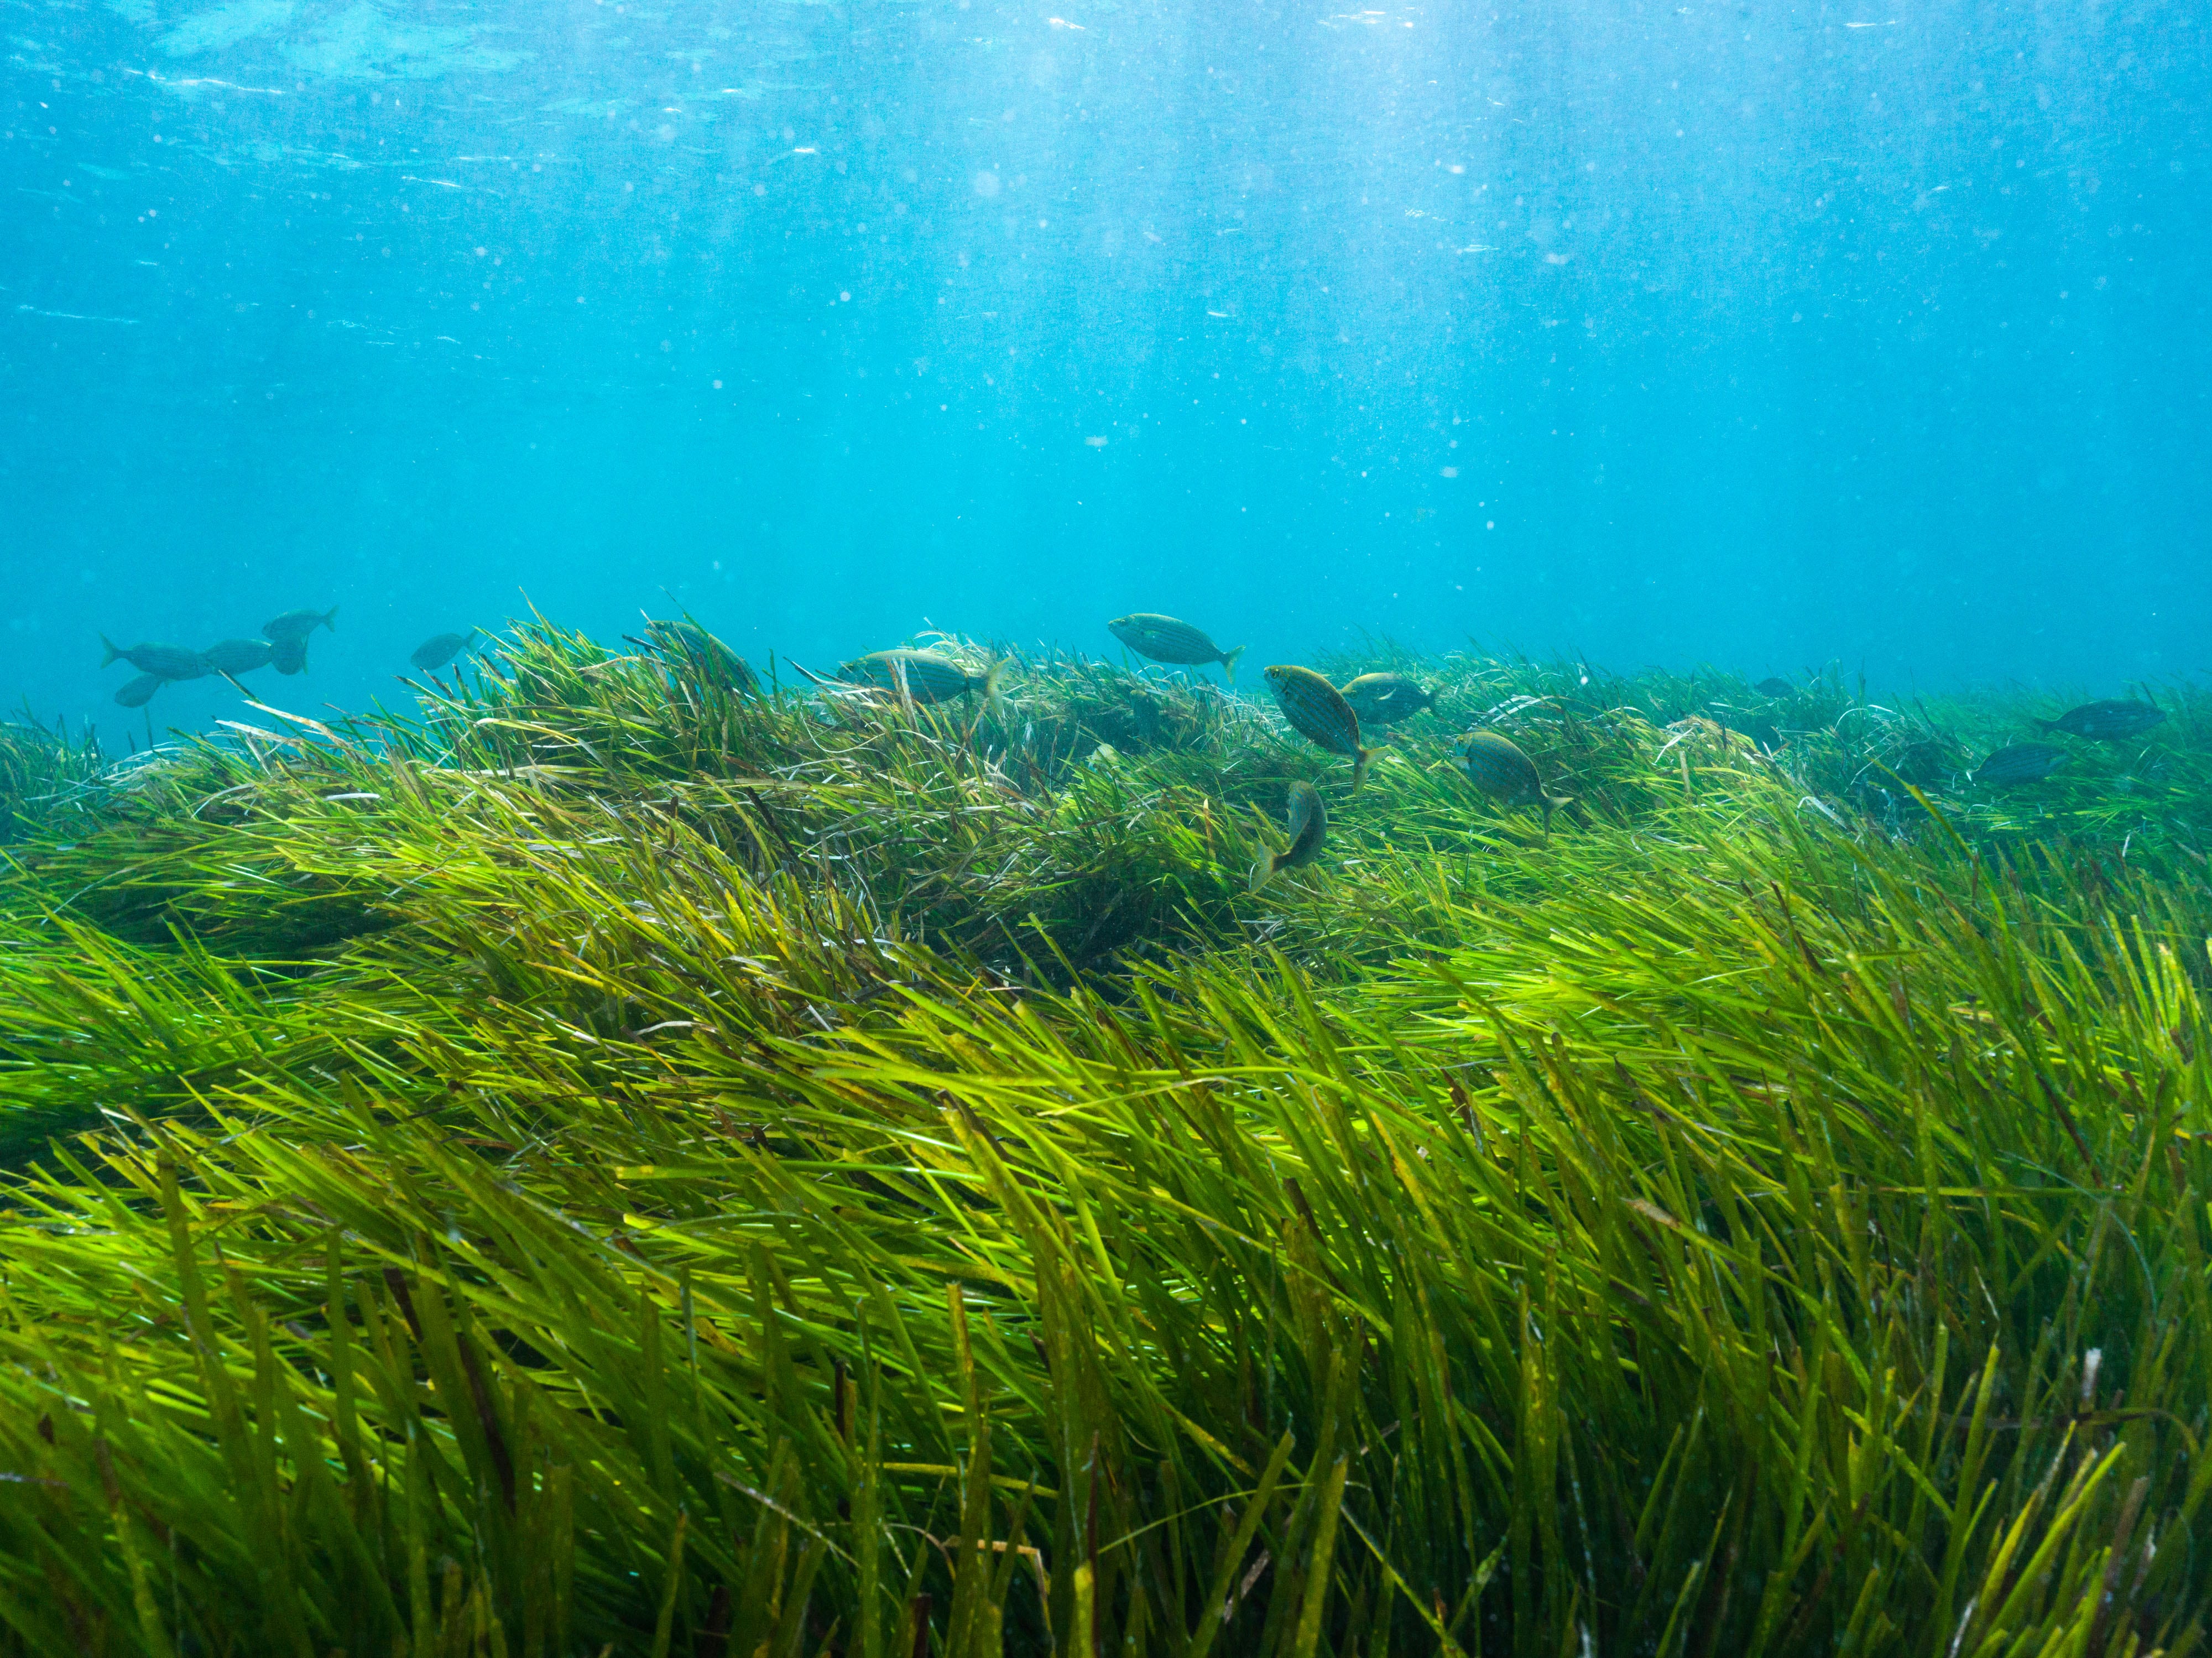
point(108, 645)
point(1360, 759)
point(1264, 871)
point(330, 618)
point(994, 694)
point(1229, 664)
point(1554, 803)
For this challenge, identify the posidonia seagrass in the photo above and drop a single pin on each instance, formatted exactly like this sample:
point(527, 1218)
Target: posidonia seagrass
point(603, 1160)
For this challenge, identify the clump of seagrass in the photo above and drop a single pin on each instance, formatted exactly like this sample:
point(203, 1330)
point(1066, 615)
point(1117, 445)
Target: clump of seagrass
point(42, 769)
point(606, 1158)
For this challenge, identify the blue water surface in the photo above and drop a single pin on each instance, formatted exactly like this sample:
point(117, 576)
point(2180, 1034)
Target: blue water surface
point(1763, 335)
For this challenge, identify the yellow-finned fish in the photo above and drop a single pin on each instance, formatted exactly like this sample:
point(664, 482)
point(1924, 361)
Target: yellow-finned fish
point(927, 677)
point(1309, 826)
point(1318, 712)
point(1496, 765)
point(1169, 638)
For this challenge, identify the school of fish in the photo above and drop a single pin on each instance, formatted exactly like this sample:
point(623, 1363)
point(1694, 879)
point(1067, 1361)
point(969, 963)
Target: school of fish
point(1334, 718)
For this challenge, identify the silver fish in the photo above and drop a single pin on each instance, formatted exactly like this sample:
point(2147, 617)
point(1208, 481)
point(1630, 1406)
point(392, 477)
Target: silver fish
point(439, 649)
point(927, 677)
point(1496, 765)
point(298, 624)
point(1318, 712)
point(687, 642)
point(2112, 721)
point(1308, 827)
point(1383, 699)
point(163, 661)
point(239, 655)
point(1167, 639)
point(2021, 762)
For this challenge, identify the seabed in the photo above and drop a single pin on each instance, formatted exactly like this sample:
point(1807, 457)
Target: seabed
point(610, 1160)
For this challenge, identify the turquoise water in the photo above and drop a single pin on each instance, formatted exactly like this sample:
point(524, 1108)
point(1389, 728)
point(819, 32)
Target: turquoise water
point(1757, 335)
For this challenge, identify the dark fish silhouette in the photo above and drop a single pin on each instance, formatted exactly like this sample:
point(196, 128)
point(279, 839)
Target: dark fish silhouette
point(140, 691)
point(1318, 712)
point(239, 655)
point(440, 649)
point(1496, 765)
point(1773, 686)
point(163, 661)
point(298, 624)
point(1166, 639)
point(289, 655)
point(927, 677)
point(1926, 761)
point(1309, 826)
point(1383, 699)
point(2021, 762)
point(1762, 731)
point(2112, 721)
point(707, 659)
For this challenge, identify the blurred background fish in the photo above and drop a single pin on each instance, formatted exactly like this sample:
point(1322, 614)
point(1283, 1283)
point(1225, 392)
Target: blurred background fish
point(439, 649)
point(2110, 721)
point(2021, 762)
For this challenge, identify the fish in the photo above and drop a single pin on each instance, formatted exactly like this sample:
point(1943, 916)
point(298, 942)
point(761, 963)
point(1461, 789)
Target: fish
point(1773, 685)
point(239, 655)
point(1383, 699)
point(163, 661)
point(2112, 721)
point(709, 658)
point(289, 655)
point(928, 676)
point(1496, 765)
point(1165, 638)
point(1764, 734)
point(140, 691)
point(439, 649)
point(1924, 762)
point(1308, 827)
point(1318, 712)
point(298, 624)
point(2021, 762)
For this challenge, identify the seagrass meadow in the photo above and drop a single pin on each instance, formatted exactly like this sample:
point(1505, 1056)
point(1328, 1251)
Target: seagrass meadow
point(599, 1161)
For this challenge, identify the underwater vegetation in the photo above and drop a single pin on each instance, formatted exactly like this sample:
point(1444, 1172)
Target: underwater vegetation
point(41, 767)
point(631, 1154)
